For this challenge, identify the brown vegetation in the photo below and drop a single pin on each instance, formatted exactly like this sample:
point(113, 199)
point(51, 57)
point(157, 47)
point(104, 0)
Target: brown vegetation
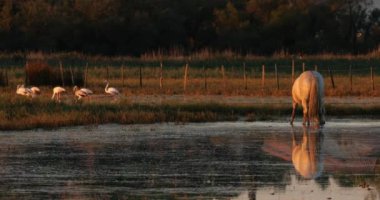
point(39, 72)
point(204, 77)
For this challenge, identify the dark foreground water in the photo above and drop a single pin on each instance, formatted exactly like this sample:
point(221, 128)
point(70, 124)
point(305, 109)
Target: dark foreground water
point(239, 160)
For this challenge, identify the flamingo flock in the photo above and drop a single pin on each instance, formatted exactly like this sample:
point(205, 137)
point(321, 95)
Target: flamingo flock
point(28, 92)
point(79, 93)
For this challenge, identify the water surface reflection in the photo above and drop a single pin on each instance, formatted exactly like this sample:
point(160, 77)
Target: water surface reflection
point(307, 154)
point(195, 161)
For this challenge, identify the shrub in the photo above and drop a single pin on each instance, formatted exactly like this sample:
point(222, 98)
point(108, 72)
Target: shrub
point(38, 72)
point(3, 78)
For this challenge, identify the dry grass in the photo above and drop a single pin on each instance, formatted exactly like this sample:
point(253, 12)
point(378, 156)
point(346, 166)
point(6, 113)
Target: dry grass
point(20, 113)
point(214, 84)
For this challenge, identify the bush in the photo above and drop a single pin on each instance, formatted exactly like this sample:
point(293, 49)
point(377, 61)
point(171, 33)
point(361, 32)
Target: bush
point(38, 72)
point(3, 78)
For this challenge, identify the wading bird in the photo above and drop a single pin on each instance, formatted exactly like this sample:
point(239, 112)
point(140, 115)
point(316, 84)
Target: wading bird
point(21, 90)
point(308, 90)
point(87, 91)
point(81, 93)
point(35, 90)
point(111, 90)
point(57, 93)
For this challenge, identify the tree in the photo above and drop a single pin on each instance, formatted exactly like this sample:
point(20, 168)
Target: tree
point(230, 27)
point(353, 15)
point(6, 15)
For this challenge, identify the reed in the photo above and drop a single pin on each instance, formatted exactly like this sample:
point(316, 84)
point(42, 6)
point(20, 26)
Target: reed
point(204, 57)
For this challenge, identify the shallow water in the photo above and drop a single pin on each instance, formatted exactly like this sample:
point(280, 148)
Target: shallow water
point(229, 100)
point(237, 160)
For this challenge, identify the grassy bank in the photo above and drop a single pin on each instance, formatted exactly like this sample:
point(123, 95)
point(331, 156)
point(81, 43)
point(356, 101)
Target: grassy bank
point(20, 113)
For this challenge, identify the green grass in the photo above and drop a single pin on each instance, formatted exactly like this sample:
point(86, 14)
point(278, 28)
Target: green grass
point(19, 113)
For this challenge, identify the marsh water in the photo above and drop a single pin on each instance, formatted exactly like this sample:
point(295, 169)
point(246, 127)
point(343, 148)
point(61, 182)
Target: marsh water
point(224, 160)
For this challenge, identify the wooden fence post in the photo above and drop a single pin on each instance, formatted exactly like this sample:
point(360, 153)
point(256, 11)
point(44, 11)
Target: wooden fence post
point(372, 79)
point(276, 76)
point(245, 77)
point(61, 69)
point(3, 80)
point(331, 77)
point(26, 81)
point(263, 78)
point(205, 78)
point(122, 75)
point(350, 75)
point(303, 67)
point(107, 74)
point(185, 77)
point(141, 83)
point(224, 79)
point(6, 77)
point(86, 76)
point(72, 76)
point(161, 78)
point(292, 70)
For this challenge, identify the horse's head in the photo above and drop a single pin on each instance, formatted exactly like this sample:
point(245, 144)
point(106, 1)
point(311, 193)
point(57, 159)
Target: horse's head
point(306, 156)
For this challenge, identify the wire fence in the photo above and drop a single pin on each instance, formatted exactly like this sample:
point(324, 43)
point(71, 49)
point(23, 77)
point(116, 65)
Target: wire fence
point(244, 77)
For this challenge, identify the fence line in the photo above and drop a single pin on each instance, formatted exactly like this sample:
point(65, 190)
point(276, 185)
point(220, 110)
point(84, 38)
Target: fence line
point(247, 75)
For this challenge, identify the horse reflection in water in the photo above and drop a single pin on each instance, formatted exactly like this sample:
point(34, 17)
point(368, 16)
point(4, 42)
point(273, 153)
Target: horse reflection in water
point(308, 90)
point(307, 156)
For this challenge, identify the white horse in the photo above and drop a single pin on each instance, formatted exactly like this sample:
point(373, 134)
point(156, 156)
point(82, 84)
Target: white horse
point(308, 90)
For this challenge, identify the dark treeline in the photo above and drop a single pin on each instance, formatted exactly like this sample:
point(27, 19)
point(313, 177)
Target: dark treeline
point(133, 27)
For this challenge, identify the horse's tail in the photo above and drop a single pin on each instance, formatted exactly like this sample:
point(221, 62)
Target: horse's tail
point(314, 100)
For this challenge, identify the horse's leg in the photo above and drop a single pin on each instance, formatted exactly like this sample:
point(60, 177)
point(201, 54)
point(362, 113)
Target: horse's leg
point(293, 112)
point(293, 139)
point(322, 115)
point(305, 113)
